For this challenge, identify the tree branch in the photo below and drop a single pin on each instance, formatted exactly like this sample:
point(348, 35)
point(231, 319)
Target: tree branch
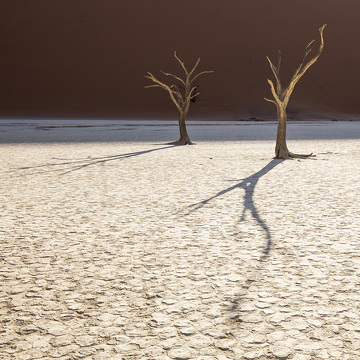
point(278, 101)
point(203, 72)
point(279, 62)
point(194, 95)
point(166, 87)
point(306, 53)
point(181, 63)
point(302, 69)
point(195, 66)
point(178, 94)
point(174, 76)
point(193, 91)
point(155, 80)
point(276, 72)
point(151, 86)
point(272, 101)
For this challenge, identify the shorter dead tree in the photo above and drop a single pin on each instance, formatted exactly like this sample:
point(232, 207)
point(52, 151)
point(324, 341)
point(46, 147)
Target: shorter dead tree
point(282, 96)
point(181, 100)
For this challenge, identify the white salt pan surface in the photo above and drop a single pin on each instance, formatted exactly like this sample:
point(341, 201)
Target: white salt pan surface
point(113, 250)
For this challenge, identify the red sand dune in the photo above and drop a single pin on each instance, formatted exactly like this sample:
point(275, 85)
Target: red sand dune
point(87, 58)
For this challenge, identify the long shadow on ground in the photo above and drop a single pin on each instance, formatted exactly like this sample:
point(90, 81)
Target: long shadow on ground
point(248, 184)
point(65, 166)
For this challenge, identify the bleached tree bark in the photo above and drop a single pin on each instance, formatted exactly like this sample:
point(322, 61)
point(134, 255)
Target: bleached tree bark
point(181, 101)
point(282, 96)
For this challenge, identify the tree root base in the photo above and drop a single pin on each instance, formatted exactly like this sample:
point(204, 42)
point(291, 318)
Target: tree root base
point(181, 142)
point(301, 156)
point(291, 155)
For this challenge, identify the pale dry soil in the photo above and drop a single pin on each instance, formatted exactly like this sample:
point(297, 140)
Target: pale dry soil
point(214, 251)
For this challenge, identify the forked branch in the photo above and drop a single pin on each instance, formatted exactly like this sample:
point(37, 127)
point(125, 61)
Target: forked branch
point(174, 76)
point(166, 87)
point(193, 91)
point(181, 101)
point(301, 70)
point(187, 73)
point(284, 95)
point(274, 93)
point(306, 53)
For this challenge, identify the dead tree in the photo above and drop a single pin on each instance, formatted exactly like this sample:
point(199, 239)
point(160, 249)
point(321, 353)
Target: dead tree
point(181, 100)
point(282, 96)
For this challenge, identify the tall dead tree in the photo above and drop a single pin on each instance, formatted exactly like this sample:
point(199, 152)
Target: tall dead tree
point(282, 96)
point(181, 100)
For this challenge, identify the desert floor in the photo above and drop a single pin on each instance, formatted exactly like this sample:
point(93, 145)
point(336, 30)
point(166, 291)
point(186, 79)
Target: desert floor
point(116, 246)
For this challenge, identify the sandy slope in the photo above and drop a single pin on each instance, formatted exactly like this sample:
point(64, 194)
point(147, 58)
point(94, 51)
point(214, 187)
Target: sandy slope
point(87, 58)
point(214, 251)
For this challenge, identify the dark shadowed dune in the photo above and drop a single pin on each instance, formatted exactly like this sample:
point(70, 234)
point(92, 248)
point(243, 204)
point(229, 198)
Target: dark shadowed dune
point(87, 58)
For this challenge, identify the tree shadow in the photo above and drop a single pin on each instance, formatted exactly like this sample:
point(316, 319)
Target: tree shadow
point(65, 166)
point(248, 184)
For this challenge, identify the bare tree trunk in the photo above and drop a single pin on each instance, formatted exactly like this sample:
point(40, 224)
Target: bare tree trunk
point(184, 137)
point(281, 150)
